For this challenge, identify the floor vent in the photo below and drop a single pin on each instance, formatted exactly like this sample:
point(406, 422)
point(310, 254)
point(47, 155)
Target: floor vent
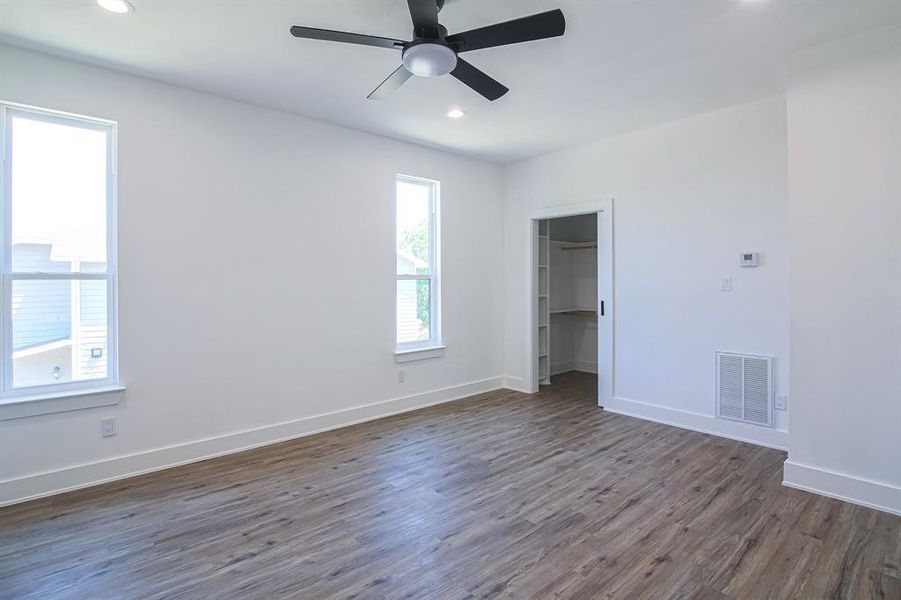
point(744, 388)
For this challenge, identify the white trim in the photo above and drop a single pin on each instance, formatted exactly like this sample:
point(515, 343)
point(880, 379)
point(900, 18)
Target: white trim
point(604, 210)
point(733, 430)
point(570, 210)
point(606, 323)
point(70, 276)
point(563, 366)
point(517, 384)
point(59, 401)
point(57, 391)
point(5, 258)
point(586, 366)
point(58, 116)
point(583, 366)
point(414, 354)
point(48, 483)
point(841, 486)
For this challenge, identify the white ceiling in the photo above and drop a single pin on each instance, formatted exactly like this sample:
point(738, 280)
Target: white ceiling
point(622, 64)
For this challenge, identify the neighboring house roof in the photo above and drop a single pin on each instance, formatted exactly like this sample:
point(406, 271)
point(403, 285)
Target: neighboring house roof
point(417, 263)
point(42, 347)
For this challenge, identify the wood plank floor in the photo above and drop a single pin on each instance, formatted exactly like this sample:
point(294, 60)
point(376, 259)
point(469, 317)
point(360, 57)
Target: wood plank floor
point(501, 495)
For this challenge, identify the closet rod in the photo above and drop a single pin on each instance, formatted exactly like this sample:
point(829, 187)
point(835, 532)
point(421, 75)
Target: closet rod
point(579, 247)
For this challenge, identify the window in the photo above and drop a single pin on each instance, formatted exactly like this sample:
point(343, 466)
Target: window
point(58, 253)
point(418, 282)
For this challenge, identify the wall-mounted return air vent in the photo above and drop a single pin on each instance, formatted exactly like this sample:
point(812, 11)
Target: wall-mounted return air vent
point(744, 388)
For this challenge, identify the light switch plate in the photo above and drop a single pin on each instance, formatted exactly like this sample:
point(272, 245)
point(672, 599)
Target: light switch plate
point(726, 284)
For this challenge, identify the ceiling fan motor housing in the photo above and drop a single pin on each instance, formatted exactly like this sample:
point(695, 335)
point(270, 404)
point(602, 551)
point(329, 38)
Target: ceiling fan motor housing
point(429, 58)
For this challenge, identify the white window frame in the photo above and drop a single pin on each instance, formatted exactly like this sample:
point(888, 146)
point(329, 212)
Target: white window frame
point(433, 346)
point(9, 394)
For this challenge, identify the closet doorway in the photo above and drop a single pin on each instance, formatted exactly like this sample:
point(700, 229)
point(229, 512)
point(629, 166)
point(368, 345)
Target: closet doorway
point(571, 324)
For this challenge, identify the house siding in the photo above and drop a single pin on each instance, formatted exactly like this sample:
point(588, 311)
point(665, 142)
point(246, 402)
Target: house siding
point(42, 313)
point(41, 310)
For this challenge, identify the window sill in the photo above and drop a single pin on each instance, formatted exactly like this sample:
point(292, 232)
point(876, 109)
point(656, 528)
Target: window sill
point(413, 354)
point(56, 402)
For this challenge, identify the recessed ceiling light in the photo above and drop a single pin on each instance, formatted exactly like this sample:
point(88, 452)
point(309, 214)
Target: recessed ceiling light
point(116, 6)
point(456, 113)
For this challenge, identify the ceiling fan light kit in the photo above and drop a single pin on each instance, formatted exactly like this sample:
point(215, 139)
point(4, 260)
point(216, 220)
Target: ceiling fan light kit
point(429, 59)
point(433, 53)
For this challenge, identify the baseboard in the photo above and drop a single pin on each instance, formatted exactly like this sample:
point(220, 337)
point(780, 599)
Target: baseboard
point(517, 384)
point(574, 365)
point(742, 432)
point(865, 492)
point(49, 483)
point(562, 367)
point(586, 366)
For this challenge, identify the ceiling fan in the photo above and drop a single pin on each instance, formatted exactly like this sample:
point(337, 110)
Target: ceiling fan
point(433, 53)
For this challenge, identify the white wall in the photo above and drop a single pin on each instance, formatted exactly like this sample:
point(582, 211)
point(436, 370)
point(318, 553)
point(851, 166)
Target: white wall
point(574, 284)
point(844, 152)
point(561, 290)
point(267, 213)
point(585, 278)
point(256, 277)
point(689, 196)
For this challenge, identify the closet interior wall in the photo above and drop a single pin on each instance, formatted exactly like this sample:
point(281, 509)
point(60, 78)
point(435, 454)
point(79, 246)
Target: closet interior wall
point(573, 294)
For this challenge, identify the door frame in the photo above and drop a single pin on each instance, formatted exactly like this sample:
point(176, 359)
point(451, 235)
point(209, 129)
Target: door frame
point(606, 359)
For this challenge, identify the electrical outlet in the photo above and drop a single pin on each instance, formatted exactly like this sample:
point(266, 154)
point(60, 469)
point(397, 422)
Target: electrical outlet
point(401, 376)
point(108, 427)
point(781, 402)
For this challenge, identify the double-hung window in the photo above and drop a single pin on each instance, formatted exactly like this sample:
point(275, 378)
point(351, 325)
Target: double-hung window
point(418, 281)
point(58, 255)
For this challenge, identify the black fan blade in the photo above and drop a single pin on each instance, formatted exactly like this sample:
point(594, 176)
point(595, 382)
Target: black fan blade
point(536, 27)
point(391, 83)
point(425, 17)
point(478, 80)
point(342, 36)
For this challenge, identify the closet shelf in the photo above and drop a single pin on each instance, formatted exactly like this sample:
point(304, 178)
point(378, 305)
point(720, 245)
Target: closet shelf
point(580, 246)
point(576, 312)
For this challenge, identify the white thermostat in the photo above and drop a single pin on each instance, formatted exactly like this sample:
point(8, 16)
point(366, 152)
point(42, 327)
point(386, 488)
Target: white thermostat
point(749, 259)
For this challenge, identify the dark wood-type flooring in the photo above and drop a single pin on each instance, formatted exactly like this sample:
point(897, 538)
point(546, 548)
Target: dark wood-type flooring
point(502, 495)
